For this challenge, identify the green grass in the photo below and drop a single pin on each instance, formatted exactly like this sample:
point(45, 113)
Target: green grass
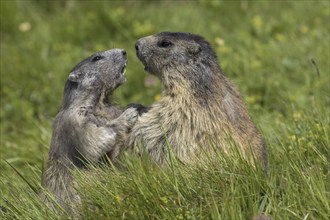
point(277, 53)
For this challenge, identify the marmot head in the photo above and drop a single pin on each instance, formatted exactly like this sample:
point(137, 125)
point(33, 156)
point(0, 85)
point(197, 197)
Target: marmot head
point(101, 71)
point(171, 52)
point(182, 61)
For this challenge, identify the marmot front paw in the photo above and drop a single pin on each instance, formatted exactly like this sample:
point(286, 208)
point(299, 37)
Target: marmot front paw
point(140, 108)
point(130, 115)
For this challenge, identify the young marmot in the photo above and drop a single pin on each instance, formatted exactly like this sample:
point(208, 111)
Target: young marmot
point(199, 107)
point(88, 125)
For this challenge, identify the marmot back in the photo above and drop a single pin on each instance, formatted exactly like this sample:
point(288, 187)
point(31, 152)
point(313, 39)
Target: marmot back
point(199, 106)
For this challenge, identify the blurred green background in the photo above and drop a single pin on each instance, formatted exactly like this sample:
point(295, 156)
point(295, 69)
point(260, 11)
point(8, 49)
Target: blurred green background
point(277, 53)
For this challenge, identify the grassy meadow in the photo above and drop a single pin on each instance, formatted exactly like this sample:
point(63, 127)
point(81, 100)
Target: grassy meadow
point(276, 52)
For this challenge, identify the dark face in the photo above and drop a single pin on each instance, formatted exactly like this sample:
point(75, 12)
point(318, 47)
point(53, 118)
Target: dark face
point(173, 52)
point(101, 70)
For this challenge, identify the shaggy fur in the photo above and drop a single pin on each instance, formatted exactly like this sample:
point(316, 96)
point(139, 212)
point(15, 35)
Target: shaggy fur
point(199, 107)
point(88, 126)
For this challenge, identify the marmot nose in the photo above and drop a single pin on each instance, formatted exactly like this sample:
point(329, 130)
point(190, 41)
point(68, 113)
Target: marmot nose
point(124, 52)
point(137, 46)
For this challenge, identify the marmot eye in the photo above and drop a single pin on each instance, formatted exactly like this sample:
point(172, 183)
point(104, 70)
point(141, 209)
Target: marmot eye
point(97, 58)
point(164, 43)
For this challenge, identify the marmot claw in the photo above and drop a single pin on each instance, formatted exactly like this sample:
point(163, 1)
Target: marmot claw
point(140, 108)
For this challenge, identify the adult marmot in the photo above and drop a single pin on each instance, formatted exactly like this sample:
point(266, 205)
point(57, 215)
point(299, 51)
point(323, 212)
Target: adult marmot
point(88, 125)
point(199, 107)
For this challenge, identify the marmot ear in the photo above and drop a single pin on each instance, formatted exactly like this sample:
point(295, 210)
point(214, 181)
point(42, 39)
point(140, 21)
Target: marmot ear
point(74, 76)
point(194, 49)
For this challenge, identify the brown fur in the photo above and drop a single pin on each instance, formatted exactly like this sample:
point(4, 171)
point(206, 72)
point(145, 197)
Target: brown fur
point(199, 106)
point(88, 125)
